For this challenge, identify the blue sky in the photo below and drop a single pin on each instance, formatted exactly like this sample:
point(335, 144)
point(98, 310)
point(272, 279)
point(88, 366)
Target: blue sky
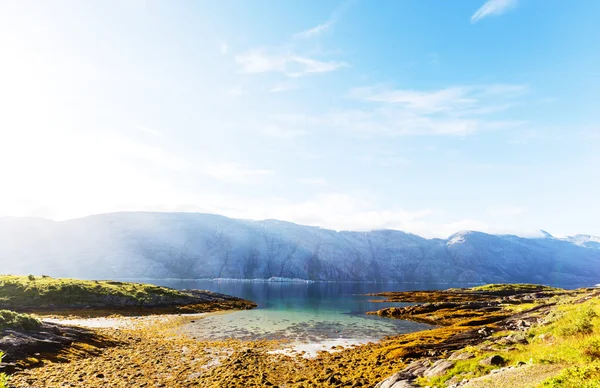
point(425, 116)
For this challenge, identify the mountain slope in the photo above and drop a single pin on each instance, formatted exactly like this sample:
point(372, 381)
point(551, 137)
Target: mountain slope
point(190, 245)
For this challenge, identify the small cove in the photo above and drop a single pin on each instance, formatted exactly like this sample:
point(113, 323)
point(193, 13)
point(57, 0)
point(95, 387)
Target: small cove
point(303, 313)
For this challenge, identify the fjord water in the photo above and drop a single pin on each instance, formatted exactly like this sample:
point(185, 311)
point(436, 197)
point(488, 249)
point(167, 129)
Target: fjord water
point(302, 312)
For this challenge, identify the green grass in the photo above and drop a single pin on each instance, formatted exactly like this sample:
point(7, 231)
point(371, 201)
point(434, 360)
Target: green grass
point(12, 320)
point(43, 292)
point(581, 376)
point(569, 337)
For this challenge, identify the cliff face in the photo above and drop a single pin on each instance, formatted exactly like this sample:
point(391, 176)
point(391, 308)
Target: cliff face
point(187, 245)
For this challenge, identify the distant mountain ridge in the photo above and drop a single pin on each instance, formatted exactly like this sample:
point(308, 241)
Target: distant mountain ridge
point(193, 245)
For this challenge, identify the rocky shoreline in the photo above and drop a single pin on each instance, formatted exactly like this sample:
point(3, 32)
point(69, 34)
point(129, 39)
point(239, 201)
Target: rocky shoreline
point(480, 333)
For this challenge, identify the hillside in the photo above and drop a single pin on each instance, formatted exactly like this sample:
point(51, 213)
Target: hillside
point(191, 245)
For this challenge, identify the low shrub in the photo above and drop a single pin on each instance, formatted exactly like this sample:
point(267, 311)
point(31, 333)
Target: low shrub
point(12, 320)
point(582, 324)
point(592, 349)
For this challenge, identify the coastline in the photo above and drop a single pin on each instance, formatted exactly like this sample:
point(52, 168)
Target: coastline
point(151, 352)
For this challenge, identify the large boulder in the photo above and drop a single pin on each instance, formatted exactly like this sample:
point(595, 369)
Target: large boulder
point(495, 360)
point(439, 368)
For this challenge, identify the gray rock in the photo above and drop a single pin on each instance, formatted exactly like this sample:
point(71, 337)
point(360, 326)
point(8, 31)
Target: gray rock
point(390, 381)
point(405, 376)
point(455, 381)
point(439, 368)
point(458, 355)
point(416, 369)
point(404, 384)
point(513, 339)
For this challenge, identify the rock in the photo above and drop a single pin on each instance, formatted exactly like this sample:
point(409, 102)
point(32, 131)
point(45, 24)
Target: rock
point(458, 355)
point(513, 339)
point(396, 381)
point(493, 360)
point(439, 368)
point(404, 384)
point(412, 371)
point(546, 337)
point(387, 383)
point(415, 369)
point(455, 381)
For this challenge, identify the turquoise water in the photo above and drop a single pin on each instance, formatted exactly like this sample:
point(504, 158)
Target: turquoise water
point(302, 312)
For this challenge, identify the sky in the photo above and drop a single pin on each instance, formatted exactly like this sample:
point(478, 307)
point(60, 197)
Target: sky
point(424, 116)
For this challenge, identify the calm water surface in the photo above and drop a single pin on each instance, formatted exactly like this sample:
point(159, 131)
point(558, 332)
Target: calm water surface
point(302, 312)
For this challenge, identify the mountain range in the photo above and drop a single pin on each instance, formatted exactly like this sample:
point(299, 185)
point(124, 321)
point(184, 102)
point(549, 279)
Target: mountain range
point(193, 245)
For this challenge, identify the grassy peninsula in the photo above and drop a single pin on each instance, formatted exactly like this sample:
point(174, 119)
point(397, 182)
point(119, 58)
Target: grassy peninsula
point(74, 296)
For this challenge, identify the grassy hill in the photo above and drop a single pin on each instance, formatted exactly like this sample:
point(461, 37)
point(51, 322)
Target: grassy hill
point(43, 293)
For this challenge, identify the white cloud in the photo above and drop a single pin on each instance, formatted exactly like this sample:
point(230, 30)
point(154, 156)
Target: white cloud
point(447, 99)
point(312, 181)
point(132, 149)
point(261, 61)
point(224, 48)
point(309, 65)
point(348, 211)
point(323, 27)
point(427, 101)
point(236, 91)
point(328, 210)
point(458, 110)
point(66, 174)
point(504, 211)
point(493, 7)
point(315, 31)
point(282, 87)
point(258, 61)
point(148, 130)
point(279, 132)
point(390, 121)
point(384, 160)
point(236, 173)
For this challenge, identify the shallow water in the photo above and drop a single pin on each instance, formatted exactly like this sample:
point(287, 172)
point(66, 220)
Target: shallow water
point(302, 312)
